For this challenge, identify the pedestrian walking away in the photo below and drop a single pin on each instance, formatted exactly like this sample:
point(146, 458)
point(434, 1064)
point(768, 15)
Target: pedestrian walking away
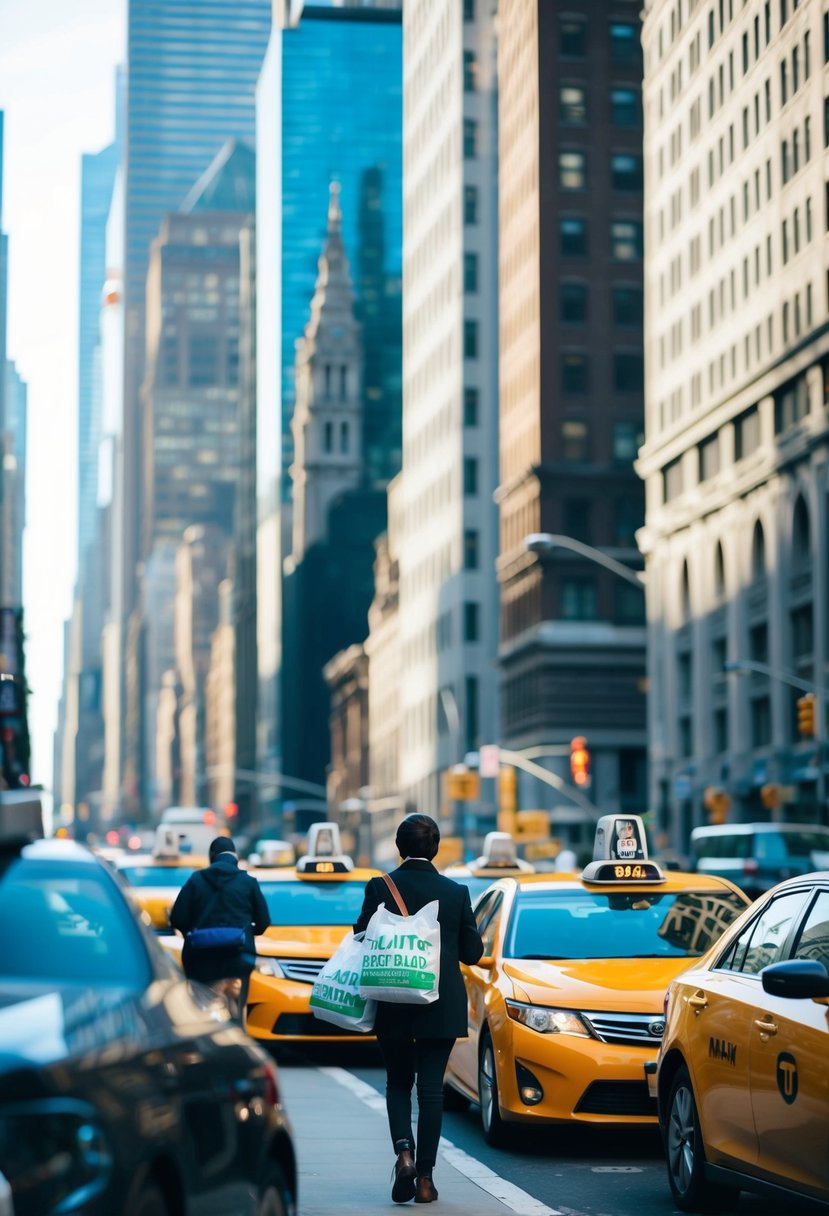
point(416, 1040)
point(221, 897)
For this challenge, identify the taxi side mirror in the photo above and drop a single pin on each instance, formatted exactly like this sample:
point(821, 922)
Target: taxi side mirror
point(798, 979)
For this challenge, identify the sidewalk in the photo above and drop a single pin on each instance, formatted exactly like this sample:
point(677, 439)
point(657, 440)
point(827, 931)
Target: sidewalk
point(345, 1157)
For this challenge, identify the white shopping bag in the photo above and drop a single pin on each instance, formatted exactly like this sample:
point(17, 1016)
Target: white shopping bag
point(335, 996)
point(401, 956)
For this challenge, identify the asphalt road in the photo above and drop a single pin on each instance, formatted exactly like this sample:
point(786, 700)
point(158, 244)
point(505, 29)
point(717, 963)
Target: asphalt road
point(577, 1171)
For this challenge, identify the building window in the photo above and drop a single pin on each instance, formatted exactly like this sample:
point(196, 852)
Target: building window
point(628, 604)
point(624, 42)
point(202, 360)
point(628, 516)
point(470, 273)
point(758, 643)
point(470, 72)
point(572, 34)
point(471, 549)
point(625, 108)
point(709, 457)
point(578, 599)
point(470, 339)
point(573, 238)
point(802, 630)
point(572, 302)
point(627, 439)
point(760, 721)
point(470, 138)
point(572, 170)
point(470, 475)
point(686, 736)
point(343, 437)
point(472, 729)
point(626, 240)
point(791, 404)
point(684, 674)
point(626, 171)
point(470, 204)
point(470, 407)
point(328, 440)
point(628, 306)
point(471, 621)
point(469, 10)
point(672, 481)
point(721, 730)
point(746, 433)
point(575, 440)
point(573, 372)
point(572, 105)
point(628, 371)
point(576, 519)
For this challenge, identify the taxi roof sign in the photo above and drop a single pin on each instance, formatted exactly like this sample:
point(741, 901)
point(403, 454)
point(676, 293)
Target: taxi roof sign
point(324, 855)
point(620, 852)
point(500, 853)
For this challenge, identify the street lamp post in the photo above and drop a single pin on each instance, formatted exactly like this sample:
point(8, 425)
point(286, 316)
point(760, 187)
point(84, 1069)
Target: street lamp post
point(545, 542)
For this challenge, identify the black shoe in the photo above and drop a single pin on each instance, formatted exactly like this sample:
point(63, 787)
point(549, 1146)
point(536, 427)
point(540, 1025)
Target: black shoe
point(403, 1175)
point(425, 1191)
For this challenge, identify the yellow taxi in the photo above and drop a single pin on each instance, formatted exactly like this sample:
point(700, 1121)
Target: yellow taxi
point(499, 857)
point(312, 907)
point(743, 1071)
point(566, 1004)
point(155, 879)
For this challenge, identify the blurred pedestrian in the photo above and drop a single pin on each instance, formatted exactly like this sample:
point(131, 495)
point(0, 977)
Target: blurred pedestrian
point(416, 1040)
point(221, 896)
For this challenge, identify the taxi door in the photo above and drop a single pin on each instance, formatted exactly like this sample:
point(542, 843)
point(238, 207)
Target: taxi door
point(477, 979)
point(789, 1066)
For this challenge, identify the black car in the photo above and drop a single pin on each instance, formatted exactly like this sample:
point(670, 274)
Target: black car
point(124, 1089)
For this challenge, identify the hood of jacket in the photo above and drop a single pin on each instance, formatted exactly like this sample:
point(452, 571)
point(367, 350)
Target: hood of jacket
point(223, 870)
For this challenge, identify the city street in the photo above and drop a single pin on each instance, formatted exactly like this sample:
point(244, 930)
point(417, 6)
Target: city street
point(571, 1171)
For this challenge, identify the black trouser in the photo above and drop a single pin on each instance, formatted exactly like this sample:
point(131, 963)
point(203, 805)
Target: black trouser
point(408, 1059)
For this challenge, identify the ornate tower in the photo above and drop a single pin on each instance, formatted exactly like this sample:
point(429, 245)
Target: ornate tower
point(327, 422)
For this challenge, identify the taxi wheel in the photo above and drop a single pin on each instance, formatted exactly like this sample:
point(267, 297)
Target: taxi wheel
point(275, 1198)
point(685, 1153)
point(495, 1130)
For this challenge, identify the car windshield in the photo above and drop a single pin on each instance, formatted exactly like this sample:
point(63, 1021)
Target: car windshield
point(590, 925)
point(475, 884)
point(305, 902)
point(156, 876)
point(68, 923)
point(802, 844)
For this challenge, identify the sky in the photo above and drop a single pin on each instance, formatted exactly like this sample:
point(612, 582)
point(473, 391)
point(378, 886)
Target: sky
point(57, 88)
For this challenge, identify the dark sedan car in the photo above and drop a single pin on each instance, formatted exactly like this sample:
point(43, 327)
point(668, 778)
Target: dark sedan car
point(124, 1090)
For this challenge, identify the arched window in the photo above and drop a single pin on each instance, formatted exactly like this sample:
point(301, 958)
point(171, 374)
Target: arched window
point(719, 572)
point(801, 544)
point(685, 593)
point(758, 552)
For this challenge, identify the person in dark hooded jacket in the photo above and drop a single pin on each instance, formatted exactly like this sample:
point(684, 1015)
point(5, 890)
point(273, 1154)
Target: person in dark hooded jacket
point(221, 895)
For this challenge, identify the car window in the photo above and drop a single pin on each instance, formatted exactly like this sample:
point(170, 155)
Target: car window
point(588, 924)
point(156, 876)
point(300, 902)
point(71, 924)
point(488, 927)
point(813, 942)
point(764, 939)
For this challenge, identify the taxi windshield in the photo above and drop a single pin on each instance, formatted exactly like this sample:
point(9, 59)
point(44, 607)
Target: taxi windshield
point(72, 925)
point(616, 924)
point(474, 882)
point(156, 876)
point(308, 902)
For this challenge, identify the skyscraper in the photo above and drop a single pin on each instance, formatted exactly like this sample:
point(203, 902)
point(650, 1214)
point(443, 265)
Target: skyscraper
point(329, 107)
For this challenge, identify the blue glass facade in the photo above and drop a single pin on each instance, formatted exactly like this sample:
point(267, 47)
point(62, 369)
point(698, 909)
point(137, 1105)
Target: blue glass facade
point(342, 118)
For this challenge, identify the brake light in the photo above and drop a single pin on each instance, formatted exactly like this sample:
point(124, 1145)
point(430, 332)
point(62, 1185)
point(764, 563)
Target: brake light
point(750, 865)
point(272, 1095)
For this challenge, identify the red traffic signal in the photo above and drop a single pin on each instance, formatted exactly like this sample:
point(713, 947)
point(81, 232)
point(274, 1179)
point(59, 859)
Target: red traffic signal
point(579, 761)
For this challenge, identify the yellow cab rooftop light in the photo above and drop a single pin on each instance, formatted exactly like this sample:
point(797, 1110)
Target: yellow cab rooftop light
point(21, 818)
point(272, 853)
point(620, 852)
point(500, 853)
point(166, 845)
point(325, 855)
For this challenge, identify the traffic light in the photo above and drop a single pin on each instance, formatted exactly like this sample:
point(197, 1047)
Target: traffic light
point(717, 803)
point(579, 761)
point(806, 714)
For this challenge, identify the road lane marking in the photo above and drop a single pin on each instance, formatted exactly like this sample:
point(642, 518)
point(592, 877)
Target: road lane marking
point(481, 1175)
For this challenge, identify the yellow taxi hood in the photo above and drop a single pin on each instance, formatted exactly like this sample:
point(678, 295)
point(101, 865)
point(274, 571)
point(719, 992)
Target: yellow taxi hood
point(301, 941)
point(621, 984)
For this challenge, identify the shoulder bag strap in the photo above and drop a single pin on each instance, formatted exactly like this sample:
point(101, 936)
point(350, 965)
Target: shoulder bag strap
point(396, 896)
point(207, 909)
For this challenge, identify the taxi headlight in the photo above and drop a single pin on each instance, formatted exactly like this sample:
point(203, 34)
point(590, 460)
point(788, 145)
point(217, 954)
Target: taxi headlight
point(548, 1021)
point(269, 966)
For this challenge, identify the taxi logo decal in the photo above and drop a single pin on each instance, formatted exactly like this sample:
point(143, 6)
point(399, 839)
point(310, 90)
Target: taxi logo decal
point(721, 1049)
point(656, 1029)
point(787, 1077)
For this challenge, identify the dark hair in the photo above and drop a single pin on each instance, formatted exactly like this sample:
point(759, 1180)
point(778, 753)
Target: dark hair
point(417, 836)
point(222, 844)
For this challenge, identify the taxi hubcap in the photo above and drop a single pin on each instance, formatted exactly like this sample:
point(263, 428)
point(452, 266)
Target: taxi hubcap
point(681, 1138)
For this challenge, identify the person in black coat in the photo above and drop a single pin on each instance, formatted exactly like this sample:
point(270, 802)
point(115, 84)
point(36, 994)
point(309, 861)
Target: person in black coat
point(221, 896)
point(416, 1040)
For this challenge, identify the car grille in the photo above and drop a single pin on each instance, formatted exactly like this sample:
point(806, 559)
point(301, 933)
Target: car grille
point(305, 1025)
point(634, 1029)
point(303, 970)
point(616, 1098)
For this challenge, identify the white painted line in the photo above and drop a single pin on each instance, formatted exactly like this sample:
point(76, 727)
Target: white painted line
point(481, 1175)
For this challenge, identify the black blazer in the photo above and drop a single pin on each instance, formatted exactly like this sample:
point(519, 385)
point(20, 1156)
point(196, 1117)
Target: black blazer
point(460, 942)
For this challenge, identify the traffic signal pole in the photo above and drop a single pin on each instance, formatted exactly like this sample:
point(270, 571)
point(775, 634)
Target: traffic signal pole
point(543, 774)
